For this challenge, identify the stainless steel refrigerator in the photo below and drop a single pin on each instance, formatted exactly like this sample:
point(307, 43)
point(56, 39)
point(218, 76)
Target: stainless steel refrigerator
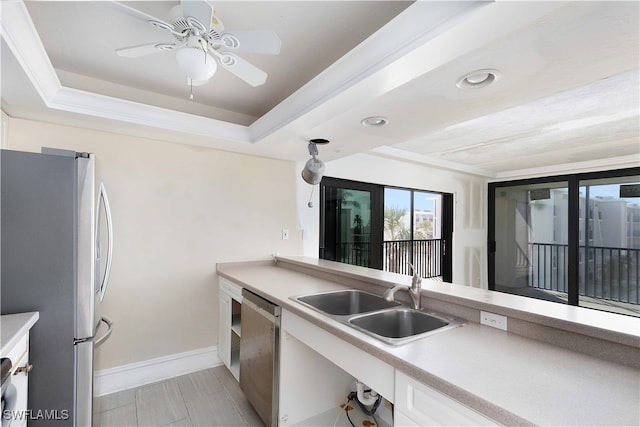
point(56, 250)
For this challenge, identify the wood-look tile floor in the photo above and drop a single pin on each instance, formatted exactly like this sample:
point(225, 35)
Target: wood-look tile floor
point(206, 398)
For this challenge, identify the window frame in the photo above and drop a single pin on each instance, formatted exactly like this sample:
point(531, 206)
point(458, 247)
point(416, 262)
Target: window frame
point(573, 220)
point(377, 206)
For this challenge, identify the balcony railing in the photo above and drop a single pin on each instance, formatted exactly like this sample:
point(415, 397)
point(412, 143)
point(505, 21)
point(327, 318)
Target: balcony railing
point(425, 255)
point(356, 253)
point(605, 272)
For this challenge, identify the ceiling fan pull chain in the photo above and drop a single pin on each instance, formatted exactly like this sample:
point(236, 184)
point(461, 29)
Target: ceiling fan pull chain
point(190, 90)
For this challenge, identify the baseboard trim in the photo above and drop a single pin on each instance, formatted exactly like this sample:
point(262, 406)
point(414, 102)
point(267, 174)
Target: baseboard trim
point(149, 371)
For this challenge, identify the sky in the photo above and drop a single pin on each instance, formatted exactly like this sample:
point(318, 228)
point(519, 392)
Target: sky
point(609, 190)
point(402, 199)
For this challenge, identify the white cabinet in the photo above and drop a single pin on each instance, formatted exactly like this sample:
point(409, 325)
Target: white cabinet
point(14, 344)
point(19, 356)
point(417, 404)
point(229, 331)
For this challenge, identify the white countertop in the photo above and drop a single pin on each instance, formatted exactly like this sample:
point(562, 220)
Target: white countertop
point(510, 378)
point(13, 327)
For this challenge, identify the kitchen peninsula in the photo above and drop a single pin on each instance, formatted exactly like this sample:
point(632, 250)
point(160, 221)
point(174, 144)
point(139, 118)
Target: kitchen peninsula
point(554, 365)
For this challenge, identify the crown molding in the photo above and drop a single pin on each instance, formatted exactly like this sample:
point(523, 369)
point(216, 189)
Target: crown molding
point(407, 156)
point(621, 162)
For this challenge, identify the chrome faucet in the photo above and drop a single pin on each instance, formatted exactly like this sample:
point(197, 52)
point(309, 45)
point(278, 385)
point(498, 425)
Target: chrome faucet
point(413, 290)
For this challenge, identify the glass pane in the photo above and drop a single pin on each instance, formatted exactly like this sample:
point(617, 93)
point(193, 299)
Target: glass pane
point(397, 231)
point(531, 233)
point(397, 215)
point(354, 227)
point(427, 228)
point(427, 212)
point(610, 245)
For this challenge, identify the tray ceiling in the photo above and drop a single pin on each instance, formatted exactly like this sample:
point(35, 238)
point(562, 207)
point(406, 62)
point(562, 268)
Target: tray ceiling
point(568, 80)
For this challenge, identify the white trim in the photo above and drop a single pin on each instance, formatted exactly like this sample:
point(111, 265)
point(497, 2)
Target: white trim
point(149, 371)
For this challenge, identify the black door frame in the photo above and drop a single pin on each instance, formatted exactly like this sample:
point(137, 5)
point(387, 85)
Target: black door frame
point(329, 184)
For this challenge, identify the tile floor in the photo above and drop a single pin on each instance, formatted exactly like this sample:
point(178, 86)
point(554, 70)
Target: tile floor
point(206, 398)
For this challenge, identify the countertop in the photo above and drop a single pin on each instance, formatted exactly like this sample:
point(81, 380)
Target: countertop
point(13, 327)
point(510, 378)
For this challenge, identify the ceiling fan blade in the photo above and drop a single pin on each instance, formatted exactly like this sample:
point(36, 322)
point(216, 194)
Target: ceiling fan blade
point(255, 41)
point(135, 13)
point(199, 9)
point(142, 50)
point(242, 69)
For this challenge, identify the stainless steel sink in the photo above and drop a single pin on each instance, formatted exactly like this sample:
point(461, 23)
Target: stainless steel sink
point(401, 325)
point(346, 303)
point(387, 321)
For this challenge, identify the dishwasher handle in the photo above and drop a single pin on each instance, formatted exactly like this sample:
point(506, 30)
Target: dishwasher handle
point(263, 306)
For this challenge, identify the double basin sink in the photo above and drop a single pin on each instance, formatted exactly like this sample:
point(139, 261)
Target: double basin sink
point(388, 321)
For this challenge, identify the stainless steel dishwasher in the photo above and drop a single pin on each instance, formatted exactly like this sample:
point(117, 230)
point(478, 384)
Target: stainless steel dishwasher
point(259, 355)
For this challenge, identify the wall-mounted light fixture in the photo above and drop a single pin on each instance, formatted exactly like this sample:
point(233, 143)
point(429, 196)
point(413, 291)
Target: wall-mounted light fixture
point(314, 168)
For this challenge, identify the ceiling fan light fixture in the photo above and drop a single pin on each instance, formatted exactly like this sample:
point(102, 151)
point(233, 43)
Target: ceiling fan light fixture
point(196, 63)
point(478, 78)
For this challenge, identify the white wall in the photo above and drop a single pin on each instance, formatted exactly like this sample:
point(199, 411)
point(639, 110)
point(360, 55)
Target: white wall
point(470, 206)
point(177, 211)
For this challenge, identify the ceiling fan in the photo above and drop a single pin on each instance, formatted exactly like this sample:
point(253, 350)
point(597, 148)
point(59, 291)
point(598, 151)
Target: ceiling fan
point(201, 43)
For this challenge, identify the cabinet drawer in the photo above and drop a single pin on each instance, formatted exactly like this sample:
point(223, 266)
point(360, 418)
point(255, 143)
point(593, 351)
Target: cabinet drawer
point(231, 288)
point(428, 407)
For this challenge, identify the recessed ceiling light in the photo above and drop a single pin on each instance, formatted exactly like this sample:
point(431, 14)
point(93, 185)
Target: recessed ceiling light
point(478, 79)
point(374, 121)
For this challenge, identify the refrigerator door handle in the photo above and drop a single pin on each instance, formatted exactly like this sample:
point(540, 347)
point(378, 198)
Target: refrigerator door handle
point(98, 342)
point(107, 208)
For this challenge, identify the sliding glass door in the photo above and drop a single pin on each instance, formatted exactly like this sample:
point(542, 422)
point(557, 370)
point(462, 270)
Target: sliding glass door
point(531, 236)
point(350, 218)
point(573, 239)
point(609, 237)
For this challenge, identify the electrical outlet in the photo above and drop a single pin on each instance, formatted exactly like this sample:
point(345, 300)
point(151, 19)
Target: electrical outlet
point(285, 234)
point(494, 320)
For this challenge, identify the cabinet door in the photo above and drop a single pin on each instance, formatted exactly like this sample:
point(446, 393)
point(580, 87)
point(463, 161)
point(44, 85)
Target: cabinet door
point(224, 330)
point(428, 407)
point(401, 420)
